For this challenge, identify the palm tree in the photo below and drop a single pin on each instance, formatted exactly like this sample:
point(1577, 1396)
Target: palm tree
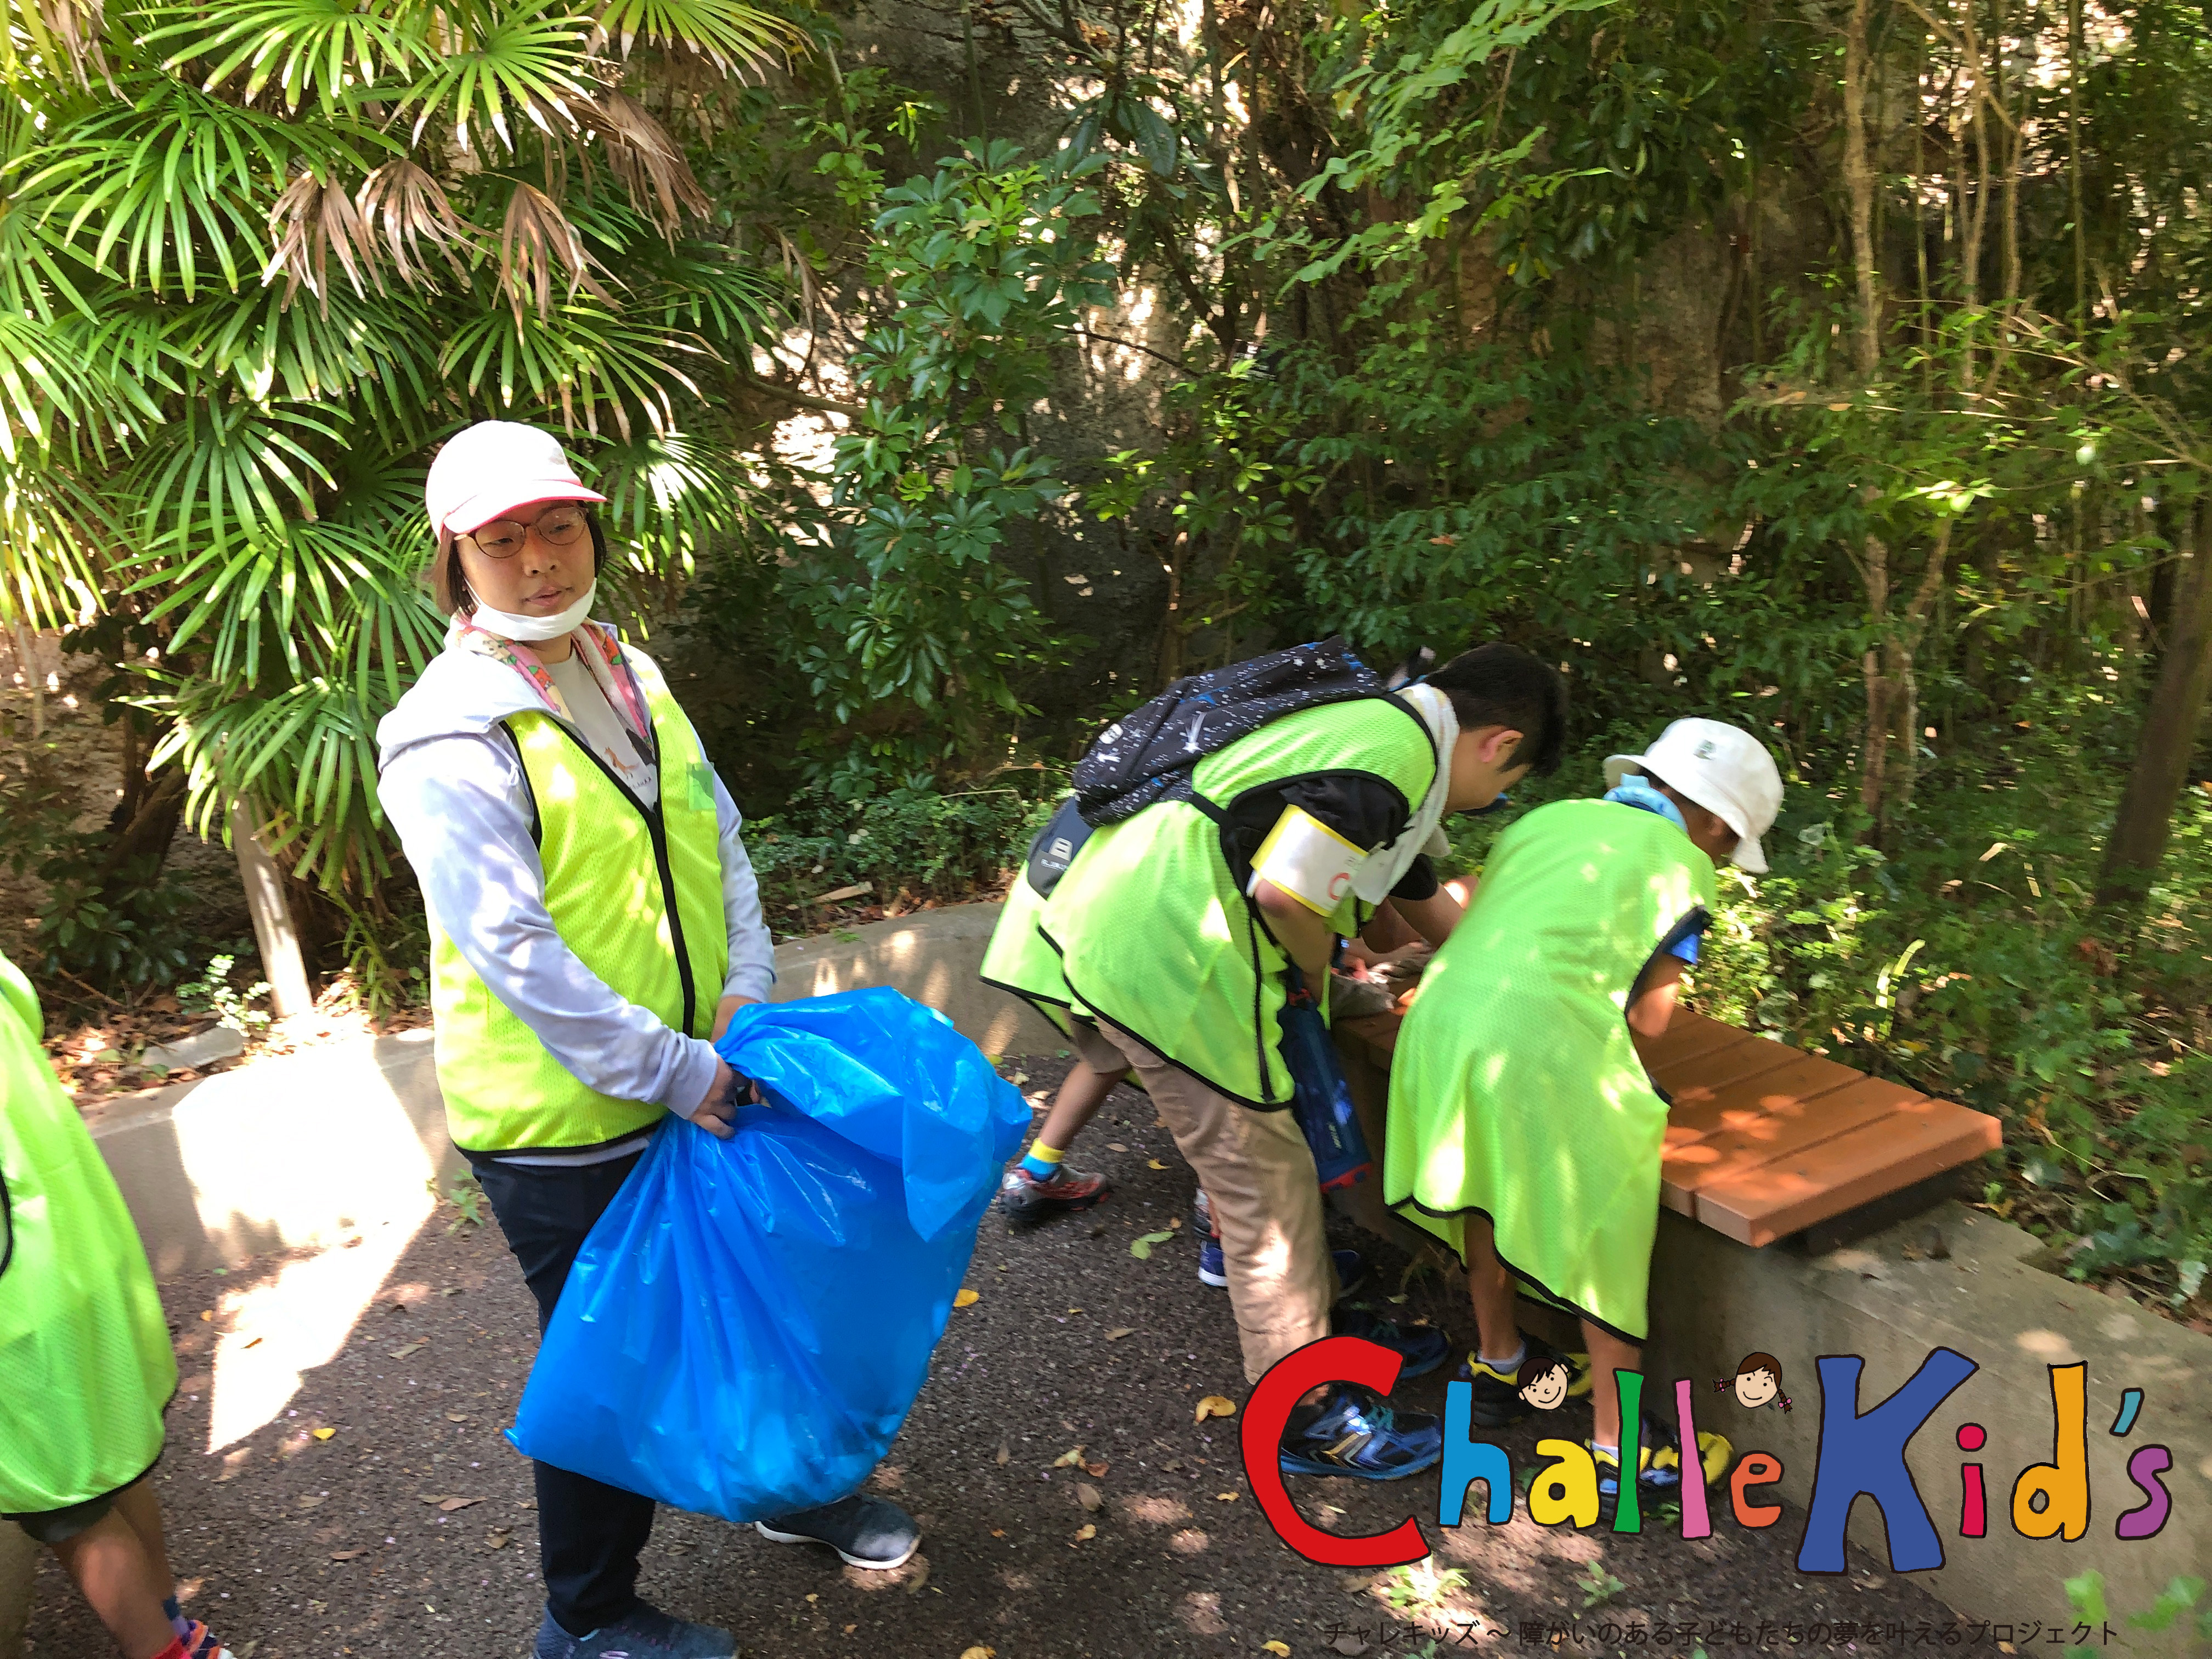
point(258, 257)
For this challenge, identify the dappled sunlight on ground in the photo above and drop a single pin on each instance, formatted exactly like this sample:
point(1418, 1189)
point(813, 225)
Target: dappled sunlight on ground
point(298, 1319)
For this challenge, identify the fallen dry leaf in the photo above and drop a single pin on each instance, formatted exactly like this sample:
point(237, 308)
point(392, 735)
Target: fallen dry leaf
point(347, 1555)
point(253, 1342)
point(1086, 1532)
point(313, 1502)
point(1214, 1405)
point(966, 1298)
point(455, 1417)
point(434, 1497)
point(971, 1653)
point(997, 1532)
point(1000, 1457)
point(1280, 1650)
point(1224, 1498)
point(323, 1434)
point(207, 1315)
point(1115, 1146)
point(1121, 1331)
point(1068, 1459)
point(407, 1348)
point(921, 1576)
point(1075, 1310)
point(499, 1539)
point(1096, 1471)
point(1154, 1164)
point(1087, 1495)
point(453, 1503)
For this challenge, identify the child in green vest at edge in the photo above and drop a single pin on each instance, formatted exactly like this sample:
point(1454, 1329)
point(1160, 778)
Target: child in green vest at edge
point(1166, 944)
point(85, 1364)
point(1524, 1130)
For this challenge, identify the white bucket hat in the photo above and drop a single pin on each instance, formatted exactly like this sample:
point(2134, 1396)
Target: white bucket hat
point(1724, 769)
point(487, 470)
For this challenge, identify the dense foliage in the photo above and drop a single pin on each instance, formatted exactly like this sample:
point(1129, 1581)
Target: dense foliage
point(1833, 368)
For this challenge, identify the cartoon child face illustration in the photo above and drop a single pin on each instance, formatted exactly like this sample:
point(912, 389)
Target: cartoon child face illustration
point(1758, 1380)
point(1547, 1391)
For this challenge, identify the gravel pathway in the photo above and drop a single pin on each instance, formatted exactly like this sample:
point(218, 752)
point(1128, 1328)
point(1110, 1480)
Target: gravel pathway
point(380, 1511)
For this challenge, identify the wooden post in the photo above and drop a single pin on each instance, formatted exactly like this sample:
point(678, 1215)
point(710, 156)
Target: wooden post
point(282, 964)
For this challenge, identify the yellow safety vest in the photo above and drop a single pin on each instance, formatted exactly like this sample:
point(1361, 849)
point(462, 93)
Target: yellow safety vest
point(635, 892)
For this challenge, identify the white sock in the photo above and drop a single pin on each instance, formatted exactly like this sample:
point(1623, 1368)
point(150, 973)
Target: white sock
point(1613, 1452)
point(1506, 1367)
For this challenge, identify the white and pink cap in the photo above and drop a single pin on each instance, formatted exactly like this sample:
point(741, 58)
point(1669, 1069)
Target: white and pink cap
point(487, 470)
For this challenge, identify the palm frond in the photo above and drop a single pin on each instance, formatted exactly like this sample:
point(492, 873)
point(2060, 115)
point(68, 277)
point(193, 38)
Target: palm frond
point(417, 215)
point(169, 183)
point(645, 161)
point(730, 34)
point(527, 61)
point(56, 537)
point(313, 219)
point(45, 391)
point(701, 287)
point(63, 35)
point(219, 474)
point(318, 50)
point(535, 238)
point(580, 357)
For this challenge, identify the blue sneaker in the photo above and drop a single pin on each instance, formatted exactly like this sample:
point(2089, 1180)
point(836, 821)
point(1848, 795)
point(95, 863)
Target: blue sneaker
point(646, 1633)
point(1358, 1434)
point(1420, 1348)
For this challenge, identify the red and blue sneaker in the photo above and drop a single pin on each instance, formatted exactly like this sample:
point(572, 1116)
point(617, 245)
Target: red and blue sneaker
point(1026, 1197)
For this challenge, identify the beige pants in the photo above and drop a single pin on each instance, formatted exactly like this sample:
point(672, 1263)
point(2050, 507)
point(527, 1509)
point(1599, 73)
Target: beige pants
point(1258, 1174)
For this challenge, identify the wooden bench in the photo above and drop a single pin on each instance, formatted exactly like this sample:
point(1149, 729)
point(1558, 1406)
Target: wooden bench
point(1763, 1140)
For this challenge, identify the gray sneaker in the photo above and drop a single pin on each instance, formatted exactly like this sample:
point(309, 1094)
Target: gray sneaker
point(646, 1633)
point(866, 1531)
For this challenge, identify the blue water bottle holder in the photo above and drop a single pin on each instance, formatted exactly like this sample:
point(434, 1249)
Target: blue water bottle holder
point(1321, 1099)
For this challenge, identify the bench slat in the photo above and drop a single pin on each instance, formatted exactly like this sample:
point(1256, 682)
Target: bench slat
point(1728, 1152)
point(1914, 1138)
point(1699, 1113)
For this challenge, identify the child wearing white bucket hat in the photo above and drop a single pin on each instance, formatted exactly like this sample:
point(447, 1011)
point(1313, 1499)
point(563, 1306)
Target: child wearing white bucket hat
point(1523, 1131)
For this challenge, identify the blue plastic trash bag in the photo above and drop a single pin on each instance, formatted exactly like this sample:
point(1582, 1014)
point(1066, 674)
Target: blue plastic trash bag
point(749, 1323)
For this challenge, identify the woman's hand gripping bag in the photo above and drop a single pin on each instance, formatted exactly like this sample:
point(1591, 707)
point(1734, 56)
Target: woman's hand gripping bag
point(750, 1321)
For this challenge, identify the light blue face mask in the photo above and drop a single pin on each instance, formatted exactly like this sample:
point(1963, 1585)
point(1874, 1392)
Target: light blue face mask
point(1635, 792)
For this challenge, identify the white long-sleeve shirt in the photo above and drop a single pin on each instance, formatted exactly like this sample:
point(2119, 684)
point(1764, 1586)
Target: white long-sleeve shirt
point(450, 783)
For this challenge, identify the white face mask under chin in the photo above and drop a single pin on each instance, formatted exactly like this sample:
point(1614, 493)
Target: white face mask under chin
point(534, 630)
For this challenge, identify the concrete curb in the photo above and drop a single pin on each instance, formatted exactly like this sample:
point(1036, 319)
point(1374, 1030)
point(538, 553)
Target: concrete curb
point(301, 1150)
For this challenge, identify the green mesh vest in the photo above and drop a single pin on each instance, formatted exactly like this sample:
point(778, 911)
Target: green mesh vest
point(1516, 1089)
point(636, 894)
point(1149, 929)
point(85, 1361)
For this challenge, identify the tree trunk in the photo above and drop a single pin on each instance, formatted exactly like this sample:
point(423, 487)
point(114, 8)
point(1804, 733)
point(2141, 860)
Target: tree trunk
point(1858, 185)
point(2145, 819)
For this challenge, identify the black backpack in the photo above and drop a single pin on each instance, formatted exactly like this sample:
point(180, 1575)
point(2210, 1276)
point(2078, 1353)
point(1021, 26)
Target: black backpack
point(1147, 756)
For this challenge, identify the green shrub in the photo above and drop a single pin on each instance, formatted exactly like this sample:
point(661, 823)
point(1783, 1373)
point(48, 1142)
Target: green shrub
point(915, 840)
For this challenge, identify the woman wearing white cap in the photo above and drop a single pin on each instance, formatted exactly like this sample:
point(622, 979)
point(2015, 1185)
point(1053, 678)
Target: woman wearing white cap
point(594, 922)
point(1524, 1130)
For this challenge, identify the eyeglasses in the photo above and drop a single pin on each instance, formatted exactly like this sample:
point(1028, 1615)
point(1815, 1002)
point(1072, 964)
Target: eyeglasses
point(502, 539)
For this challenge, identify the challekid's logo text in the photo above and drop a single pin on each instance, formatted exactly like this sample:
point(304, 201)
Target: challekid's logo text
point(1862, 1452)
